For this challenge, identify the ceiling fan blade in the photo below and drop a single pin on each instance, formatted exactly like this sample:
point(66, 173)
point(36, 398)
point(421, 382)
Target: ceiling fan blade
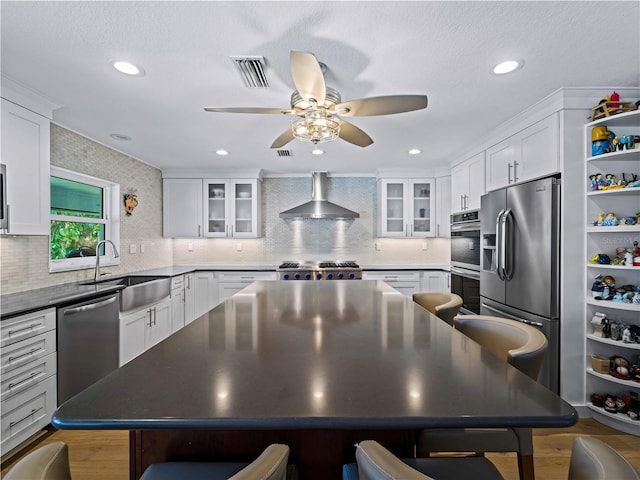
point(381, 105)
point(307, 76)
point(283, 139)
point(283, 111)
point(352, 134)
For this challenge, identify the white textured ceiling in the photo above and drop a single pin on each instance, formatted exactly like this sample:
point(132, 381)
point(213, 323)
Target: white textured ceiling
point(62, 50)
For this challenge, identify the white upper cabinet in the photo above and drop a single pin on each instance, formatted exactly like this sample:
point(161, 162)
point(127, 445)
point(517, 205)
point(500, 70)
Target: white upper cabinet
point(406, 207)
point(224, 208)
point(531, 153)
point(232, 208)
point(25, 152)
point(182, 207)
point(443, 206)
point(467, 184)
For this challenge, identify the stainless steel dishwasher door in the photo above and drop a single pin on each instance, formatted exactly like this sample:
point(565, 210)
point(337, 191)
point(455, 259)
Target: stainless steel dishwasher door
point(88, 343)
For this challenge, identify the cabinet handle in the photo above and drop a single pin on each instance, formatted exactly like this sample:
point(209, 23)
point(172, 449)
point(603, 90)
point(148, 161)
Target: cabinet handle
point(509, 166)
point(149, 312)
point(30, 327)
point(515, 174)
point(30, 352)
point(437, 230)
point(154, 315)
point(33, 411)
point(199, 230)
point(461, 202)
point(30, 378)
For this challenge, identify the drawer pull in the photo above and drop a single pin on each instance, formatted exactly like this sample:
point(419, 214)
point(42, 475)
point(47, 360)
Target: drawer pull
point(31, 377)
point(29, 415)
point(30, 352)
point(30, 327)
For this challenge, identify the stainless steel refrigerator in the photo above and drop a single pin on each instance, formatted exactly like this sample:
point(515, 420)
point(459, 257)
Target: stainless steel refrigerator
point(520, 264)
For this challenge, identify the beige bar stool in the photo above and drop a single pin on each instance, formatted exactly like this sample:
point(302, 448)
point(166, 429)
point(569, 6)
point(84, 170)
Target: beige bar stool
point(49, 462)
point(444, 305)
point(524, 347)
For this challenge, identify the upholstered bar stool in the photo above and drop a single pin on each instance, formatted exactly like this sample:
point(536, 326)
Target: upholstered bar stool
point(592, 459)
point(444, 305)
point(49, 462)
point(524, 347)
point(270, 465)
point(374, 462)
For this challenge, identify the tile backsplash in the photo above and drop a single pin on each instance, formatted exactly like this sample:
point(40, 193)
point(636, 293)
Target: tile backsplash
point(24, 259)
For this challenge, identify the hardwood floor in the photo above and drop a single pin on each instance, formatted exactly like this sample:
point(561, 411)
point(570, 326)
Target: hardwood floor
point(104, 455)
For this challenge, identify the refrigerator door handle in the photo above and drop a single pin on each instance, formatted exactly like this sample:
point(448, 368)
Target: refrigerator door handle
point(513, 317)
point(507, 239)
point(499, 245)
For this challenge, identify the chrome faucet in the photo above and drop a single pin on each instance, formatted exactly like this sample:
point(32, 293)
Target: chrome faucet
point(115, 255)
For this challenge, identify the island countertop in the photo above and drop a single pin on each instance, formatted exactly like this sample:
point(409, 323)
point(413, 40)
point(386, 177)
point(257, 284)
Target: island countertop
point(315, 355)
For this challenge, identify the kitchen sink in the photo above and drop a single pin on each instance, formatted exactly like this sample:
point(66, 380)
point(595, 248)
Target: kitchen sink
point(139, 290)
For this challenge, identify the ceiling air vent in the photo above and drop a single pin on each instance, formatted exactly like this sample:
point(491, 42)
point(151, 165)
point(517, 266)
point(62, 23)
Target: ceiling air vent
point(284, 153)
point(252, 71)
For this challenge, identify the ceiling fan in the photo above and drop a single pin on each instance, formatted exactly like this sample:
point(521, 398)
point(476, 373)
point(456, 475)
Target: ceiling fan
point(318, 109)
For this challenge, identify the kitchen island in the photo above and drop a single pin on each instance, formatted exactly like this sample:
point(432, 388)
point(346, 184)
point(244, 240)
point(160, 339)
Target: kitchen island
point(316, 365)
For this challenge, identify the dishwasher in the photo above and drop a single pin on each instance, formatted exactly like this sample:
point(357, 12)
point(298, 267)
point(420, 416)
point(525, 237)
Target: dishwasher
point(88, 343)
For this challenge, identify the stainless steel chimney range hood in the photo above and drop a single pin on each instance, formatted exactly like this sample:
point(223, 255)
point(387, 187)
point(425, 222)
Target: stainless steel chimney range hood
point(319, 206)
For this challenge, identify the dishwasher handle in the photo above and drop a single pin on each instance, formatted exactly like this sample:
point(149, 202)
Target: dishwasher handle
point(90, 306)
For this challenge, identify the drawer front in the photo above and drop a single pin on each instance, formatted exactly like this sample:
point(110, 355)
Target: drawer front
point(26, 376)
point(18, 328)
point(245, 276)
point(25, 414)
point(392, 276)
point(27, 351)
point(177, 282)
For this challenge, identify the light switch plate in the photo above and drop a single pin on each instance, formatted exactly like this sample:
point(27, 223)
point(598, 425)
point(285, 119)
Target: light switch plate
point(133, 248)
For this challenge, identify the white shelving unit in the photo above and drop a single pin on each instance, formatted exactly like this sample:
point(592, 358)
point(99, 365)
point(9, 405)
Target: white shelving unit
point(600, 239)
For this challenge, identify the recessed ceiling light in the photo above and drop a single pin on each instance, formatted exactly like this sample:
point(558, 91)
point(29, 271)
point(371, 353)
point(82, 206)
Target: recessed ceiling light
point(121, 137)
point(317, 151)
point(415, 151)
point(222, 152)
point(507, 67)
point(127, 68)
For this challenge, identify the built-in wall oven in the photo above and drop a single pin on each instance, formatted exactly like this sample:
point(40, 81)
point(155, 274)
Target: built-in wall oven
point(465, 260)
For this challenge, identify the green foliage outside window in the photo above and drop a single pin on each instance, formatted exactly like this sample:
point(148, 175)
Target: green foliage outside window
point(74, 239)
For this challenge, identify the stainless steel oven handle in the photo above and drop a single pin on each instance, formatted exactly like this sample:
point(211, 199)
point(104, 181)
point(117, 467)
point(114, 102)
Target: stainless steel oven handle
point(465, 273)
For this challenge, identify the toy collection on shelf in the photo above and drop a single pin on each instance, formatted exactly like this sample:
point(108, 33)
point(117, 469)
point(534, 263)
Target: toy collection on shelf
point(628, 257)
point(604, 288)
point(627, 404)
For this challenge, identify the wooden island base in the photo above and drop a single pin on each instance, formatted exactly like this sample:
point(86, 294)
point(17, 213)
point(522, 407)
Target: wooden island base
point(318, 454)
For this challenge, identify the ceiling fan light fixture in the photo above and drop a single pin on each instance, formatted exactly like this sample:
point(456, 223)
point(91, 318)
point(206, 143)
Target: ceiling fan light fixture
point(316, 127)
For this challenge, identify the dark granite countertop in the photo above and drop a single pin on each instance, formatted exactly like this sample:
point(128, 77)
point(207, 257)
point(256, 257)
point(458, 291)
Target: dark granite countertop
point(315, 355)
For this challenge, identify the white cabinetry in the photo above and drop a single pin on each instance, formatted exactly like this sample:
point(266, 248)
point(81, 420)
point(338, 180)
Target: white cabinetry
point(142, 329)
point(232, 208)
point(193, 207)
point(443, 206)
point(177, 303)
point(28, 366)
point(605, 239)
point(406, 282)
point(182, 207)
point(189, 298)
point(25, 152)
point(436, 281)
point(531, 153)
point(406, 207)
point(205, 292)
point(230, 283)
point(467, 184)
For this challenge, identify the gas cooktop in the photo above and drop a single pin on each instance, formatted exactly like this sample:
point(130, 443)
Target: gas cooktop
point(319, 270)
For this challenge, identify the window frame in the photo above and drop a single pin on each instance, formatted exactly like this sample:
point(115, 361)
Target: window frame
point(111, 220)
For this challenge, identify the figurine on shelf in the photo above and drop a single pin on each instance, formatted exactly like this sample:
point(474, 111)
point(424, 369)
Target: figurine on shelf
point(599, 221)
point(610, 220)
point(618, 297)
point(598, 323)
point(597, 287)
point(594, 181)
point(636, 297)
point(615, 143)
point(599, 140)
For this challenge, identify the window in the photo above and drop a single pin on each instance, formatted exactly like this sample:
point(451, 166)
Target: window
point(84, 211)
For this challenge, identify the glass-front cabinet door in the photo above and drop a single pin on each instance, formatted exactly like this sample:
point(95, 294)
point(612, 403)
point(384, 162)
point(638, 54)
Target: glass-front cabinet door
point(231, 208)
point(406, 207)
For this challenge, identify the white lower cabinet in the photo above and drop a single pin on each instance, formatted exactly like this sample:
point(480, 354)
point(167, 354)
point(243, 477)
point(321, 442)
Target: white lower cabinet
point(406, 282)
point(177, 303)
point(230, 283)
point(206, 292)
point(142, 329)
point(29, 380)
point(436, 281)
point(189, 298)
